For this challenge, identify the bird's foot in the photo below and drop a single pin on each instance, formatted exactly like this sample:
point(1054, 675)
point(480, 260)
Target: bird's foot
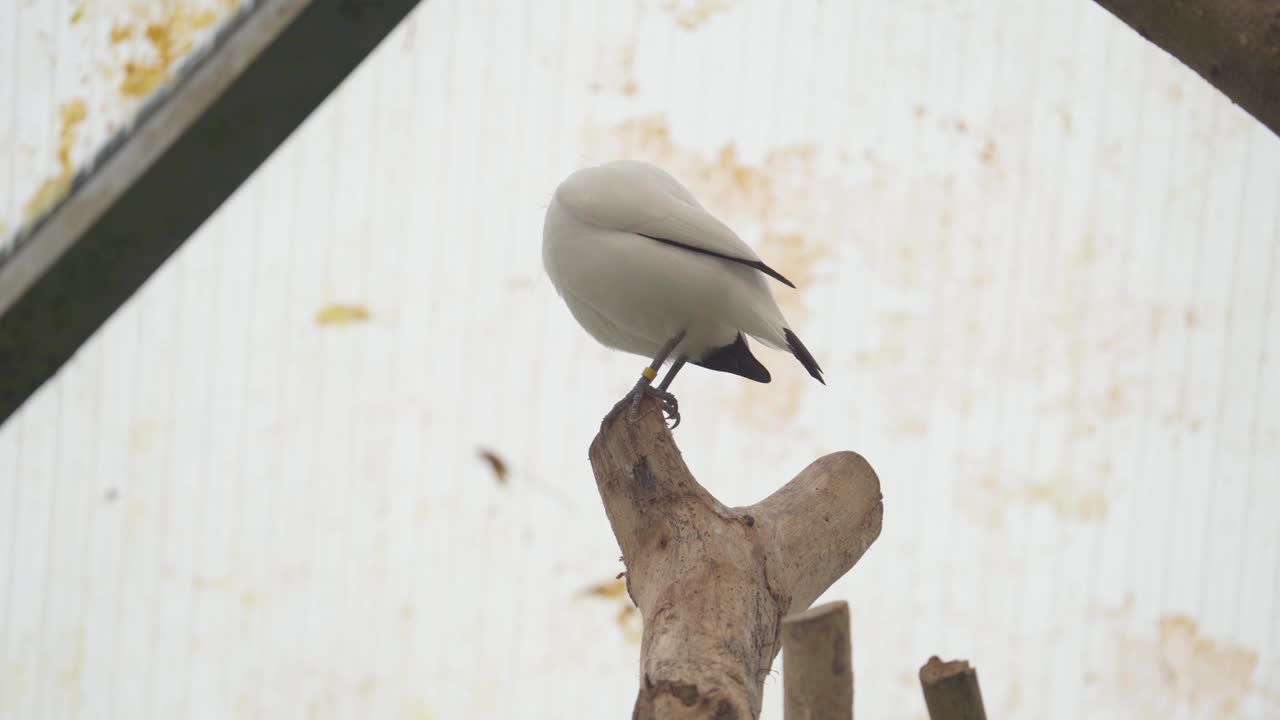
point(669, 404)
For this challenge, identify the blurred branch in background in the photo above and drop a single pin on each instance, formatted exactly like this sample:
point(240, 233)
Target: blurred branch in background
point(713, 583)
point(1234, 44)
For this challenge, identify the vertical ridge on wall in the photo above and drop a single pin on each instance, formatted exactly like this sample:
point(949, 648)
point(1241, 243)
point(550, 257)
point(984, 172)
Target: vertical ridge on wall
point(1039, 265)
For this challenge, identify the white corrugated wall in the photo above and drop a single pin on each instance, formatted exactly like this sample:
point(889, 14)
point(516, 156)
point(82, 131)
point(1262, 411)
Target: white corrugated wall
point(1037, 256)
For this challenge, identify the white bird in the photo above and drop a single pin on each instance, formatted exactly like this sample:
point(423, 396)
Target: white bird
point(647, 270)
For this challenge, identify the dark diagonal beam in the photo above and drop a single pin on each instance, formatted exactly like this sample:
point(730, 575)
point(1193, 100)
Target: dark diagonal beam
point(192, 145)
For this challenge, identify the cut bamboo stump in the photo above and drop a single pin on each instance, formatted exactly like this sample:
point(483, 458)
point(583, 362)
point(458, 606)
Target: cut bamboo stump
point(951, 690)
point(712, 582)
point(817, 667)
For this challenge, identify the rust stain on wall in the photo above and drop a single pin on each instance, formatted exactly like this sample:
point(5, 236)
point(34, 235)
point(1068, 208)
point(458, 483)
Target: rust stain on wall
point(988, 496)
point(1172, 667)
point(693, 14)
point(618, 74)
point(1116, 403)
point(988, 152)
point(627, 617)
point(170, 30)
point(339, 314)
point(610, 589)
point(1199, 667)
point(72, 114)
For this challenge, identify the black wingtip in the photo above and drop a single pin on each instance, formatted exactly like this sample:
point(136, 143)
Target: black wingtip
point(773, 274)
point(735, 358)
point(803, 355)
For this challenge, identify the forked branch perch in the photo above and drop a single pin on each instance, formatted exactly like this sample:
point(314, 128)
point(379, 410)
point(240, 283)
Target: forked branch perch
point(713, 583)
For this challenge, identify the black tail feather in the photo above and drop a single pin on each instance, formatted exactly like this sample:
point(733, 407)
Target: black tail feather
point(735, 358)
point(803, 355)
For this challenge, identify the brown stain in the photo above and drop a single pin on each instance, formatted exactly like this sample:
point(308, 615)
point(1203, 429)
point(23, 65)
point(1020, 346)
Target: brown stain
point(170, 34)
point(339, 314)
point(1116, 402)
point(1173, 319)
point(1203, 668)
point(693, 14)
point(957, 280)
point(1071, 499)
point(797, 256)
point(77, 15)
point(617, 74)
point(1171, 668)
point(991, 494)
point(615, 588)
point(627, 71)
point(771, 200)
point(496, 464)
point(72, 115)
point(630, 623)
point(988, 152)
point(627, 617)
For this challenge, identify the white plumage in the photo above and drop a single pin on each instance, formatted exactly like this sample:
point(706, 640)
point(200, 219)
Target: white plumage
point(638, 261)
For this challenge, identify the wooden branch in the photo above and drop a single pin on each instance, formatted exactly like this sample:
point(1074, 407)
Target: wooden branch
point(1233, 44)
point(951, 690)
point(817, 667)
point(713, 583)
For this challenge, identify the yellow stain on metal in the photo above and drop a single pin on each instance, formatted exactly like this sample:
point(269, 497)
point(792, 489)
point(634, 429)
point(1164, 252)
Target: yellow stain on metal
point(337, 314)
point(72, 114)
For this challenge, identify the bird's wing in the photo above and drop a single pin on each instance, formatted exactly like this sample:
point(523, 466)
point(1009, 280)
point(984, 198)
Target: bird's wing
point(647, 201)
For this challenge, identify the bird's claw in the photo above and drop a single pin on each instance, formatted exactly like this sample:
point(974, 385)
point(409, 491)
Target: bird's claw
point(669, 404)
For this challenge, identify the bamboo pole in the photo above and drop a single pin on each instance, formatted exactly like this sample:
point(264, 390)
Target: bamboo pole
point(951, 690)
point(817, 667)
